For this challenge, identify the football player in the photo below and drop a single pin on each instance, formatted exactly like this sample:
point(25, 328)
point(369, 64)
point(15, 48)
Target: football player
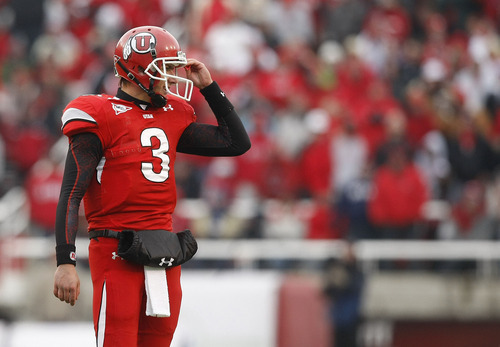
point(120, 161)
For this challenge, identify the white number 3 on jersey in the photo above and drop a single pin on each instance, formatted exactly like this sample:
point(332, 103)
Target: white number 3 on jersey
point(160, 152)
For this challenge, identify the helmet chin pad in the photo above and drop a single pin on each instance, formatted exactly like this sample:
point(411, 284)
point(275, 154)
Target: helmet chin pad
point(158, 100)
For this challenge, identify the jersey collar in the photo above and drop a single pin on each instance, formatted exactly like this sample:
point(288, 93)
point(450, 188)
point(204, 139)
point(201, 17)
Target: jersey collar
point(120, 94)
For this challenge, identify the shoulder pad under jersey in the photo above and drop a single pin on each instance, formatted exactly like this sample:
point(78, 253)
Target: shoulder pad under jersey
point(83, 114)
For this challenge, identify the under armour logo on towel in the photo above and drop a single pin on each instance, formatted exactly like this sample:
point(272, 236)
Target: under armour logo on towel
point(168, 263)
point(114, 256)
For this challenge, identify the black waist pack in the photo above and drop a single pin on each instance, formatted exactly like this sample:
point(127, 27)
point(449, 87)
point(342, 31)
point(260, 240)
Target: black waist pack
point(157, 248)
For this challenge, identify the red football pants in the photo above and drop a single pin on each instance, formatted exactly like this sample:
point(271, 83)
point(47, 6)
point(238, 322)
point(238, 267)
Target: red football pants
point(119, 301)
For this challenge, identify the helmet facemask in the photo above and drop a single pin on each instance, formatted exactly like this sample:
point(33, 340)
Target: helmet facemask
point(159, 70)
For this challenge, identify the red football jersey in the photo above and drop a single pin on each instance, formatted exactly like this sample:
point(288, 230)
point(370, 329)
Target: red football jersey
point(134, 184)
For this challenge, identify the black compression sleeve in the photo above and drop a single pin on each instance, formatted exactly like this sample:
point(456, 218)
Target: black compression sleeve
point(84, 153)
point(228, 138)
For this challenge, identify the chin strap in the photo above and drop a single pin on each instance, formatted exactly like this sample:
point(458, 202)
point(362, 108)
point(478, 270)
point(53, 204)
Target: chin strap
point(157, 100)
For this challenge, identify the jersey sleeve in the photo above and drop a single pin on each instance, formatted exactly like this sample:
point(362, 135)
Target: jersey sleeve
point(82, 116)
point(227, 138)
point(84, 153)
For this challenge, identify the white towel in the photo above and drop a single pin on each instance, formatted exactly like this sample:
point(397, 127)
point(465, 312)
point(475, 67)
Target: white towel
point(157, 303)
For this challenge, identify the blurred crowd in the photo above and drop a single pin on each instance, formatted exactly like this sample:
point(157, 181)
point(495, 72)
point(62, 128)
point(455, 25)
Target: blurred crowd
point(369, 119)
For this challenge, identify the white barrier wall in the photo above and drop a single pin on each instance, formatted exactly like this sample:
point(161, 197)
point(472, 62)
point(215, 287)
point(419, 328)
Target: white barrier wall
point(219, 309)
point(47, 334)
point(230, 309)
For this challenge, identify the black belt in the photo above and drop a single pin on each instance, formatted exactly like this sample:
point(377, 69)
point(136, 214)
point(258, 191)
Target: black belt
point(104, 233)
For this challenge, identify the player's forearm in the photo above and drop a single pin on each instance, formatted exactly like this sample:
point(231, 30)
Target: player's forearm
point(83, 155)
point(229, 123)
point(228, 138)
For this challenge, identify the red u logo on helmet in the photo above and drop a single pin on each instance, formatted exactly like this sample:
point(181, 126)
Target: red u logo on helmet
point(141, 43)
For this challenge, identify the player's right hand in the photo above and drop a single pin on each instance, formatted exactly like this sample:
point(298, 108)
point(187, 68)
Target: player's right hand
point(66, 283)
point(197, 72)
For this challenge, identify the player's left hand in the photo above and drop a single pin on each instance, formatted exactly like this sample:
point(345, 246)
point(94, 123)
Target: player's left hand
point(197, 72)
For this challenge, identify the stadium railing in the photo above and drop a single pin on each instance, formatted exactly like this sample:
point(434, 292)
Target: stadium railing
point(246, 253)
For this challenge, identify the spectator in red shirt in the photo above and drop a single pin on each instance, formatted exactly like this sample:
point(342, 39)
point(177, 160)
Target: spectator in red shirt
point(421, 117)
point(389, 20)
point(316, 158)
point(322, 221)
point(254, 166)
point(468, 220)
point(373, 112)
point(43, 186)
point(398, 195)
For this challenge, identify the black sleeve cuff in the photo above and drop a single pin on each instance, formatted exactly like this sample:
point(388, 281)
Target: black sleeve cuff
point(66, 254)
point(217, 99)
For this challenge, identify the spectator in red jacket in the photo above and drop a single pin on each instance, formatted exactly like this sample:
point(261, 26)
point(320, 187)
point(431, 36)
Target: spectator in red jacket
point(43, 185)
point(397, 197)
